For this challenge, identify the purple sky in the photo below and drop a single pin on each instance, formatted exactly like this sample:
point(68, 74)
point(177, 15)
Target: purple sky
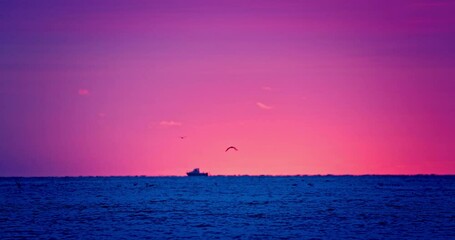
point(300, 87)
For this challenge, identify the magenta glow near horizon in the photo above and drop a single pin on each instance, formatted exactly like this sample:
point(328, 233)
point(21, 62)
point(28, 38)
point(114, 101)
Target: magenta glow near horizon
point(162, 87)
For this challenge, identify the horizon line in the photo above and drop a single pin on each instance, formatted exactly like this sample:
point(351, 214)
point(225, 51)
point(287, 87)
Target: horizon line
point(238, 175)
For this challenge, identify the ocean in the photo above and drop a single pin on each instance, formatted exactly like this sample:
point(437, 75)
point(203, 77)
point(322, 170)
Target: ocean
point(228, 207)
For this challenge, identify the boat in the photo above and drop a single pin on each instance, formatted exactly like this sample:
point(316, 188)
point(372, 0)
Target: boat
point(197, 173)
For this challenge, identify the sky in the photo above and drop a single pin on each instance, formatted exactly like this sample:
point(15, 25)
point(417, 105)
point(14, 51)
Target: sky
point(299, 87)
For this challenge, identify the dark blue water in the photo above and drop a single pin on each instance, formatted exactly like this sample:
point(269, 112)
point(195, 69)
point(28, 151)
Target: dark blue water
point(326, 207)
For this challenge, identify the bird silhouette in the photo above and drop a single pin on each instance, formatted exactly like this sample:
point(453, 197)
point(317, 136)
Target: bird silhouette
point(182, 137)
point(231, 147)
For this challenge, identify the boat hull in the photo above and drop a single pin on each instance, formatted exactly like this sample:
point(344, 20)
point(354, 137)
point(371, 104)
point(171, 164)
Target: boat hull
point(190, 174)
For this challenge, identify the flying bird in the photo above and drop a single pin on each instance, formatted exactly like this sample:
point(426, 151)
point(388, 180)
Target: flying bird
point(182, 137)
point(231, 147)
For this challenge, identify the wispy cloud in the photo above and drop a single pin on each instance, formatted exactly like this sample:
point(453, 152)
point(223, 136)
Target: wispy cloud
point(170, 124)
point(264, 106)
point(267, 88)
point(83, 92)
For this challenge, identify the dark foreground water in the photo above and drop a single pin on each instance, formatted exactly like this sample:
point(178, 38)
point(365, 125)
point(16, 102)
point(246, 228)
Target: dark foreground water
point(326, 207)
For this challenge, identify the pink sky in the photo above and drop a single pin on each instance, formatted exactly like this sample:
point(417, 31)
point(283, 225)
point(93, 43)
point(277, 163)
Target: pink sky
point(299, 87)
